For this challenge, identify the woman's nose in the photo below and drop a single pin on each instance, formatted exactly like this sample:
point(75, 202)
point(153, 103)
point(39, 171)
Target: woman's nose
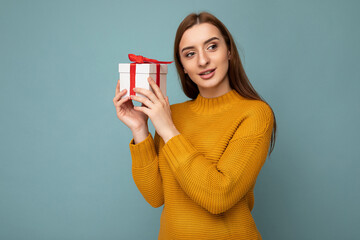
point(203, 59)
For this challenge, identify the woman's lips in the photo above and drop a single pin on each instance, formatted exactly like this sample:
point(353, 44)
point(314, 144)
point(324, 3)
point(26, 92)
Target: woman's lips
point(207, 76)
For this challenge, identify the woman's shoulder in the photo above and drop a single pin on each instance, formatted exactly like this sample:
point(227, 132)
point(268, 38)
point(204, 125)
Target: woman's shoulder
point(258, 116)
point(258, 107)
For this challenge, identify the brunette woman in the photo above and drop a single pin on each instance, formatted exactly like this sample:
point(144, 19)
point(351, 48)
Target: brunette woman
point(207, 152)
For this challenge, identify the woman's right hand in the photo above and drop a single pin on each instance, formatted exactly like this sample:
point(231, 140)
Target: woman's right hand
point(135, 120)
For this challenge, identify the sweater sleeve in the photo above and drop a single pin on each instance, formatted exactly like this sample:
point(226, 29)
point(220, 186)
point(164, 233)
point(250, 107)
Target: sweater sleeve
point(219, 186)
point(145, 169)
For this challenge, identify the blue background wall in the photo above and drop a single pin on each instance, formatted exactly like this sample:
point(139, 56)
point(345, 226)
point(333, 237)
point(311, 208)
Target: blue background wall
point(65, 165)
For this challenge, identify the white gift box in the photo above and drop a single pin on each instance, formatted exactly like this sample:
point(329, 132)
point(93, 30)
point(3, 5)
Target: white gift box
point(143, 71)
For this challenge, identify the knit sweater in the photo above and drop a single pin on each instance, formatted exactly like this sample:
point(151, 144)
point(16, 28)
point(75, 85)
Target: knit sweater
point(205, 176)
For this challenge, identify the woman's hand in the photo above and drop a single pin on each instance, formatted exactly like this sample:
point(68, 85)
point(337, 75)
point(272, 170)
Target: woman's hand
point(135, 120)
point(157, 108)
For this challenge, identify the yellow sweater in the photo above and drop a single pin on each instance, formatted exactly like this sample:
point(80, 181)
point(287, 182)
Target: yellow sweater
point(205, 176)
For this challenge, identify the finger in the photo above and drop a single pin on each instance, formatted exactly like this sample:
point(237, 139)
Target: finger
point(144, 101)
point(156, 89)
point(119, 95)
point(142, 109)
point(119, 103)
point(149, 94)
point(167, 100)
point(117, 87)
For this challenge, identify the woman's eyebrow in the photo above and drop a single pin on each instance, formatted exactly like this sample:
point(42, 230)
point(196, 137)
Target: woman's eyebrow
point(209, 40)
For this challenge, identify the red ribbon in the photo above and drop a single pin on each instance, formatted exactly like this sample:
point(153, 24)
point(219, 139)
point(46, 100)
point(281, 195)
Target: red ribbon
point(138, 59)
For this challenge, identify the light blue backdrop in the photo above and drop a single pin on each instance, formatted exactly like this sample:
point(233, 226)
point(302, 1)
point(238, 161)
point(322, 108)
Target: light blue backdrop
point(65, 168)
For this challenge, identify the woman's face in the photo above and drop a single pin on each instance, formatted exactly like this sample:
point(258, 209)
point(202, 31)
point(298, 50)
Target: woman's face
point(203, 48)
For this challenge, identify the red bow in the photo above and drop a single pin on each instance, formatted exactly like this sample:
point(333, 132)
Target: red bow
point(141, 59)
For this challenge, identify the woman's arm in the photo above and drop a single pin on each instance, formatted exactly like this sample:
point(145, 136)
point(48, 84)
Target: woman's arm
point(145, 169)
point(140, 135)
point(219, 186)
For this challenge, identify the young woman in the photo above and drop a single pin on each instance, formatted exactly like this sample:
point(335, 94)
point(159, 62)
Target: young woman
point(207, 152)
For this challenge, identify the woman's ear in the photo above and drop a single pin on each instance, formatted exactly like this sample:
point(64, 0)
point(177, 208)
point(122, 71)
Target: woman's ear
point(185, 71)
point(229, 55)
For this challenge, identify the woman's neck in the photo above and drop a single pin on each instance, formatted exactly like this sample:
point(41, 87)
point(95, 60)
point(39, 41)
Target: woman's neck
point(213, 92)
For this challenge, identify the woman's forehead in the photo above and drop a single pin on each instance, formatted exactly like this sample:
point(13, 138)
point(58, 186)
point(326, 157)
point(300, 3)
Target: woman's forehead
point(198, 34)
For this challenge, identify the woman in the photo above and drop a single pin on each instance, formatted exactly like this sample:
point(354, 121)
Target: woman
point(207, 152)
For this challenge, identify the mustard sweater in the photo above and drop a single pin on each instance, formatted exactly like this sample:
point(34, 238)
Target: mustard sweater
point(205, 176)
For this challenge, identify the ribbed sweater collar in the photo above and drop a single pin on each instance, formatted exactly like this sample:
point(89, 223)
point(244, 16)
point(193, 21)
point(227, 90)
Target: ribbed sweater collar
point(217, 104)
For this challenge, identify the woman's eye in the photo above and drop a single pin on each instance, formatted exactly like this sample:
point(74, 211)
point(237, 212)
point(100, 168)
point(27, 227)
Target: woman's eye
point(214, 46)
point(189, 54)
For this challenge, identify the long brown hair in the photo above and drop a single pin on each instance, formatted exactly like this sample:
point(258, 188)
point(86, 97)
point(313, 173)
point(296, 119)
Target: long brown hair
point(237, 76)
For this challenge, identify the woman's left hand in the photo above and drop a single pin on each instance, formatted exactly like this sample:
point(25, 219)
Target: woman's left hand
point(157, 107)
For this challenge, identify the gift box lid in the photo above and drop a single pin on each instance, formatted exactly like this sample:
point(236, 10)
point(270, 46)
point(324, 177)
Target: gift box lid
point(142, 68)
